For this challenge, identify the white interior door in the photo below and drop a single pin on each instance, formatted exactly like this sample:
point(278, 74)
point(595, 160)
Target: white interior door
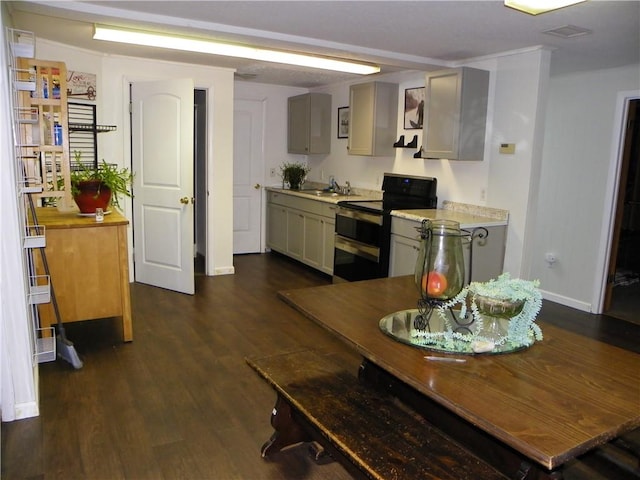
point(162, 159)
point(248, 172)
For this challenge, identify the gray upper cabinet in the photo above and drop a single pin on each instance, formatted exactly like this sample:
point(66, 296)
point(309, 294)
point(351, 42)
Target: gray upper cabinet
point(309, 130)
point(373, 117)
point(455, 115)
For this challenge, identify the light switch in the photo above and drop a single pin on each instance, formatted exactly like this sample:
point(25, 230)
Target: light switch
point(508, 148)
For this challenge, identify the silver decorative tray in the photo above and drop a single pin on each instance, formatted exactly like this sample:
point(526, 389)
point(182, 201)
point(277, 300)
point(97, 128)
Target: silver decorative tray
point(439, 336)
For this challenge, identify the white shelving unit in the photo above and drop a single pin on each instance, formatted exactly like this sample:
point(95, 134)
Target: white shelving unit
point(26, 119)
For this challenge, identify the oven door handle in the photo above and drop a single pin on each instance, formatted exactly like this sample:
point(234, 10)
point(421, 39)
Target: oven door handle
point(358, 215)
point(357, 248)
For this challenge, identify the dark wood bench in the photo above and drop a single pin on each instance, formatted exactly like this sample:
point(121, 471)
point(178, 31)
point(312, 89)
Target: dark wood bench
point(369, 431)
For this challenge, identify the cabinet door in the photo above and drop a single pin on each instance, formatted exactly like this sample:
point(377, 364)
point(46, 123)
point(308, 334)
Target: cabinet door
point(403, 256)
point(488, 255)
point(328, 246)
point(313, 240)
point(361, 116)
point(277, 227)
point(455, 114)
point(442, 114)
point(309, 123)
point(298, 124)
point(295, 234)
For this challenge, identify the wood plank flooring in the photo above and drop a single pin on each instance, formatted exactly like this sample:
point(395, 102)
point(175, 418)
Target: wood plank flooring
point(179, 402)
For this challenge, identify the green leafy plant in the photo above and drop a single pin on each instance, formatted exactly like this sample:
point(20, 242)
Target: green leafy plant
point(118, 180)
point(294, 174)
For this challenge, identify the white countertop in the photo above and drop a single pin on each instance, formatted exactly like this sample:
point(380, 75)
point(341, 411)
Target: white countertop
point(466, 220)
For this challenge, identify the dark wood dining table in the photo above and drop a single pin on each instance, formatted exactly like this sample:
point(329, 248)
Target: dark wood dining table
point(559, 398)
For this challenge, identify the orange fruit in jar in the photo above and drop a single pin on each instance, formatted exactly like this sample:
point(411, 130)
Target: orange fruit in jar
point(434, 283)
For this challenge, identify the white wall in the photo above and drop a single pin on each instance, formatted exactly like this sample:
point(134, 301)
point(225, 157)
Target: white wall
point(577, 159)
point(113, 76)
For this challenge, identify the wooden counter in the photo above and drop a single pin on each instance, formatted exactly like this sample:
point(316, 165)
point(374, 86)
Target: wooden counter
point(552, 402)
point(89, 266)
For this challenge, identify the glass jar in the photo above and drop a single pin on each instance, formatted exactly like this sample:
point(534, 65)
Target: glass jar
point(439, 273)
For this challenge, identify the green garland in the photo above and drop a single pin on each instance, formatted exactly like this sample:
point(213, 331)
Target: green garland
point(522, 331)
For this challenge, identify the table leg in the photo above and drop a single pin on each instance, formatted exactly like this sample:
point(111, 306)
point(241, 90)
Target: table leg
point(287, 431)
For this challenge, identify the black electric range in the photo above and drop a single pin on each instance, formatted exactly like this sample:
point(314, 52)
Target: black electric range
point(363, 228)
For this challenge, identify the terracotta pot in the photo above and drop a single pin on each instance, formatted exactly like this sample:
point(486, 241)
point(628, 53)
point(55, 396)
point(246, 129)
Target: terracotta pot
point(92, 195)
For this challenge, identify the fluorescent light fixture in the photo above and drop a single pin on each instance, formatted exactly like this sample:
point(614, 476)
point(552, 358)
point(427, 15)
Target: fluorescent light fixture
point(534, 7)
point(137, 37)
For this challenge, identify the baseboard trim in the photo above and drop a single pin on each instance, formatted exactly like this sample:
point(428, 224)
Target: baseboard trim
point(566, 301)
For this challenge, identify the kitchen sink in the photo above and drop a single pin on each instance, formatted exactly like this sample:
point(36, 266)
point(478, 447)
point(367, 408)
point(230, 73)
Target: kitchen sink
point(322, 193)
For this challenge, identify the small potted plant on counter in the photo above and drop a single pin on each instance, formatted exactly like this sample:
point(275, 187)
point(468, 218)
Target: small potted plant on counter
point(294, 174)
point(99, 187)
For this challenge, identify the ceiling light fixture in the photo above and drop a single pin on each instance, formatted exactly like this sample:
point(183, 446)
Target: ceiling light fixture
point(535, 7)
point(137, 37)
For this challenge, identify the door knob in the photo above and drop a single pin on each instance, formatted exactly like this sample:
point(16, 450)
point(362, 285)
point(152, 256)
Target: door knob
point(257, 186)
point(184, 200)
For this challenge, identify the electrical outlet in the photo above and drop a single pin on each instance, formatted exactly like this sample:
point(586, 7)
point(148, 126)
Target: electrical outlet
point(483, 194)
point(272, 172)
point(551, 259)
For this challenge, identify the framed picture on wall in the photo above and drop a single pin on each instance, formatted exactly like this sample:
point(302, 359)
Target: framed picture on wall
point(413, 108)
point(343, 122)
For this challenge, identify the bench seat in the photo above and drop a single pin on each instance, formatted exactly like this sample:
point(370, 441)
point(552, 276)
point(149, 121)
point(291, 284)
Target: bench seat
point(369, 431)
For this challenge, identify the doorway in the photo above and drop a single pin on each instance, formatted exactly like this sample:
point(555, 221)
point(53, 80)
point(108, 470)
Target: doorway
point(623, 294)
point(200, 180)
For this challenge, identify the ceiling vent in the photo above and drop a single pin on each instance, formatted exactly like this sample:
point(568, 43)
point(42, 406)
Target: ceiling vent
point(568, 31)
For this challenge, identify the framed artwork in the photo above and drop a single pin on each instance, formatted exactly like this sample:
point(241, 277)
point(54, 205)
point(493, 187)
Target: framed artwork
point(81, 85)
point(413, 108)
point(343, 122)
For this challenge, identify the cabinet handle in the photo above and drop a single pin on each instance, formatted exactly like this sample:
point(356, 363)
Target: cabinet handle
point(257, 186)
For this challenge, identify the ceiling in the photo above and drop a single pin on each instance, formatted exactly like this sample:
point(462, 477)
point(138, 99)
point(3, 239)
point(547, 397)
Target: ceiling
point(397, 35)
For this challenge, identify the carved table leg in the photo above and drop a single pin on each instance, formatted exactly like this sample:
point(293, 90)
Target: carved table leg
point(287, 431)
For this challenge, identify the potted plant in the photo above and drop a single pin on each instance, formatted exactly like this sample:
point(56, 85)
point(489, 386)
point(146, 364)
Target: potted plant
point(294, 174)
point(99, 187)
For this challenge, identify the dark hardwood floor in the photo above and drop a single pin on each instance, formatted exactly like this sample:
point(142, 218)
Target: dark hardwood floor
point(179, 402)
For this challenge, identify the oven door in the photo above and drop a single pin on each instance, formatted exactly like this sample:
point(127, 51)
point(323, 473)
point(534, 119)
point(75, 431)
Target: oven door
point(355, 260)
point(358, 245)
point(363, 227)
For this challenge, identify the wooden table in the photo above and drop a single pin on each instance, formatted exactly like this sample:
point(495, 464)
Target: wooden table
point(550, 403)
point(89, 267)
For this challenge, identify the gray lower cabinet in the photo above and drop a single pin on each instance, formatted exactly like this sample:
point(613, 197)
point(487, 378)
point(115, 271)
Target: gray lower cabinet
point(302, 229)
point(488, 253)
point(276, 227)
